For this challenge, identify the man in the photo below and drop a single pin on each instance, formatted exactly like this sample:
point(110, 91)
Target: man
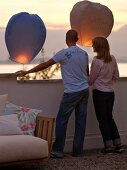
point(74, 69)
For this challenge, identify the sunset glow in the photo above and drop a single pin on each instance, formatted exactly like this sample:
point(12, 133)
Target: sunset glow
point(56, 16)
point(55, 13)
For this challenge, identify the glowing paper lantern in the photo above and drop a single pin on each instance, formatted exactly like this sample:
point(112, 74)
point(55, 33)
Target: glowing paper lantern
point(90, 20)
point(25, 35)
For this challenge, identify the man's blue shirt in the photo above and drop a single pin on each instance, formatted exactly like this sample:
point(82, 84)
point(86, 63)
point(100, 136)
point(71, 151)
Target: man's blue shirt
point(74, 62)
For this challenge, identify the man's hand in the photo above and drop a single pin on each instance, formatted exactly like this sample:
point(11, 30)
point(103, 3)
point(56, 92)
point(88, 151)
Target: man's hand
point(20, 73)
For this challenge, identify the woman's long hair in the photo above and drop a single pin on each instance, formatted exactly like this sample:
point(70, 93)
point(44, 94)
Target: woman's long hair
point(101, 47)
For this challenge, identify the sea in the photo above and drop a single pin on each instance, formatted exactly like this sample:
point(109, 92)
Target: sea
point(12, 68)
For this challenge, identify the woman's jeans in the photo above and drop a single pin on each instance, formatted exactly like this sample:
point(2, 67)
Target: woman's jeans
point(103, 104)
point(71, 101)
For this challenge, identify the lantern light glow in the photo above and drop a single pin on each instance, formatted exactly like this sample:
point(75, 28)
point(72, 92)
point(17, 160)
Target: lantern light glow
point(22, 59)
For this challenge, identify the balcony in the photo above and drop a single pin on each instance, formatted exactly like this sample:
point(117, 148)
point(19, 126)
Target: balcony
point(46, 95)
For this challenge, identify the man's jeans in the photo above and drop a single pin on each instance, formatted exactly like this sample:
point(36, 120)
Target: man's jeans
point(71, 101)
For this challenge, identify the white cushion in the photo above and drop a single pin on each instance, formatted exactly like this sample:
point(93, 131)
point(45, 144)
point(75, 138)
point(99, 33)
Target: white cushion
point(9, 125)
point(21, 148)
point(3, 100)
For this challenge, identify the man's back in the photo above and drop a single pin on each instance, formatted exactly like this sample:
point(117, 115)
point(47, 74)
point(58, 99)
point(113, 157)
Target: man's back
point(74, 63)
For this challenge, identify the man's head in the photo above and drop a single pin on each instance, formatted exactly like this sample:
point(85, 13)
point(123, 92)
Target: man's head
point(71, 37)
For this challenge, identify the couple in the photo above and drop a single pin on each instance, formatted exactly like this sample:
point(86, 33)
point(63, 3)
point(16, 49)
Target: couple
point(76, 80)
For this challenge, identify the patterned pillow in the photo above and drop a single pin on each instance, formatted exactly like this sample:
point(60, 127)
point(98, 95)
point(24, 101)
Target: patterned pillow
point(26, 116)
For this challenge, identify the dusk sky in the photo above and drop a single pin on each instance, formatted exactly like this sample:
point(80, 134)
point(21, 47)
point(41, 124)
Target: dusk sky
point(56, 16)
point(55, 13)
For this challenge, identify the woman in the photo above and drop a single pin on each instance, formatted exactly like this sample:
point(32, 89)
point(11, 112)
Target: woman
point(104, 72)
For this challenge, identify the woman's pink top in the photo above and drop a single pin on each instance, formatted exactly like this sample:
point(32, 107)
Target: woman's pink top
point(102, 75)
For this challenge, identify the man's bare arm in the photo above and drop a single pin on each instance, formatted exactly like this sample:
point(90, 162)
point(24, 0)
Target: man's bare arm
point(37, 68)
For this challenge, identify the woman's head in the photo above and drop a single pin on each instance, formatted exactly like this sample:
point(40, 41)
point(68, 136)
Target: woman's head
point(101, 47)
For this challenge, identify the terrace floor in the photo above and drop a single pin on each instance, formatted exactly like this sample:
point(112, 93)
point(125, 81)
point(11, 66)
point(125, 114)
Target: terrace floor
point(92, 160)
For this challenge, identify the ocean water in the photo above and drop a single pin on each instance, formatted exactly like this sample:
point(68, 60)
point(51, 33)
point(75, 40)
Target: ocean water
point(12, 68)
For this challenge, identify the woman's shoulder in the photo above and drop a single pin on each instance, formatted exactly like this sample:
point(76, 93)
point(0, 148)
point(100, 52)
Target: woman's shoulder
point(97, 61)
point(113, 58)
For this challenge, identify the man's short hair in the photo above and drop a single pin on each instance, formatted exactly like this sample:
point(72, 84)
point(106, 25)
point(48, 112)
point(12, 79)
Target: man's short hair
point(72, 35)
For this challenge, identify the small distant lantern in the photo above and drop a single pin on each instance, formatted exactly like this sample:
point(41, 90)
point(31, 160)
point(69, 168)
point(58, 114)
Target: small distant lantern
point(91, 19)
point(24, 36)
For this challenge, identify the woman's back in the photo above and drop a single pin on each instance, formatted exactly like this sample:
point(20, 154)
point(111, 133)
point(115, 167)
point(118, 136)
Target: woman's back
point(102, 74)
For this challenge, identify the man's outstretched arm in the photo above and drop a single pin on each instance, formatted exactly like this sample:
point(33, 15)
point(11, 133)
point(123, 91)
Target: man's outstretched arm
point(37, 68)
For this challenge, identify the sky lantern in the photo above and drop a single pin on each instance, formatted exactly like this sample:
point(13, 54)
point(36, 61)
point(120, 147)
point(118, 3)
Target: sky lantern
point(24, 36)
point(91, 19)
